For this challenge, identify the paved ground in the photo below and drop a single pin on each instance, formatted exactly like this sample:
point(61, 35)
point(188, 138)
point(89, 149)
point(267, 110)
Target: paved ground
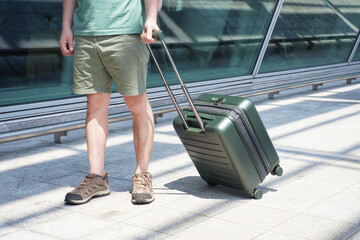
point(316, 134)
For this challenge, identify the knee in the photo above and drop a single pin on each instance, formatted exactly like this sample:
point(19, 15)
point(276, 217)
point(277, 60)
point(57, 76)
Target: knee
point(97, 103)
point(138, 105)
point(93, 108)
point(137, 108)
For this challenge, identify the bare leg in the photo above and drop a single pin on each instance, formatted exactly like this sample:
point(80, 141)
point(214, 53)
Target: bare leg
point(97, 130)
point(143, 127)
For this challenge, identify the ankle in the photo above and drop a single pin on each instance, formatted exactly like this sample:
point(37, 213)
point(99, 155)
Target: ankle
point(99, 173)
point(141, 170)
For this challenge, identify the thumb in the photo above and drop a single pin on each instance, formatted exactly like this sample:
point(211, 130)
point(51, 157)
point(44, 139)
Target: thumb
point(71, 45)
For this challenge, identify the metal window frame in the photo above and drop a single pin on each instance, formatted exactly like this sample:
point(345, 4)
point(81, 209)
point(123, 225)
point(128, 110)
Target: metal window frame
point(268, 35)
point(353, 51)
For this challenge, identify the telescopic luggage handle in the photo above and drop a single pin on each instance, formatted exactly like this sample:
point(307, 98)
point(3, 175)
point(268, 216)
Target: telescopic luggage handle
point(158, 35)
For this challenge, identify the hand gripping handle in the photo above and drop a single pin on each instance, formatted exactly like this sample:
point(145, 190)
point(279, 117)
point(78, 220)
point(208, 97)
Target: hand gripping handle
point(158, 35)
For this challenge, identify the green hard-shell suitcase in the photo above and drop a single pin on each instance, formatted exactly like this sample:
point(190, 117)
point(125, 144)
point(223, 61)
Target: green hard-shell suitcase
point(225, 138)
point(235, 149)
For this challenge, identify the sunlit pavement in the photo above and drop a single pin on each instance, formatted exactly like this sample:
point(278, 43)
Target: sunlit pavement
point(316, 134)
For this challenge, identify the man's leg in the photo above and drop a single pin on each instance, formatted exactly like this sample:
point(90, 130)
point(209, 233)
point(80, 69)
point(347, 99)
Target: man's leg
point(143, 128)
point(95, 183)
point(97, 130)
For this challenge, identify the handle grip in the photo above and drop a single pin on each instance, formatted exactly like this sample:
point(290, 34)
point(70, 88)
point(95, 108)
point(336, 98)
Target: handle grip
point(158, 35)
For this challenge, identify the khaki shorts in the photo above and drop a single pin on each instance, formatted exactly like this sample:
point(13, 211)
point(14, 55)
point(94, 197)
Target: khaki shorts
point(99, 60)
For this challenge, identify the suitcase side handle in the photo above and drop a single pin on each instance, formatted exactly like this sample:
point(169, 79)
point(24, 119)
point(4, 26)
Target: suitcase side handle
point(160, 36)
point(202, 115)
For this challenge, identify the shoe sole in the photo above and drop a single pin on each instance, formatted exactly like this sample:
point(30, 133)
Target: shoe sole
point(96, 195)
point(142, 200)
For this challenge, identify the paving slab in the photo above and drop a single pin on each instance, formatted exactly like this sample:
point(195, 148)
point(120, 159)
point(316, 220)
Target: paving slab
point(28, 235)
point(256, 216)
point(316, 228)
point(166, 220)
point(71, 226)
point(343, 206)
point(21, 187)
point(124, 231)
point(270, 235)
point(287, 201)
point(54, 197)
point(23, 213)
point(312, 187)
point(206, 206)
point(219, 229)
point(6, 229)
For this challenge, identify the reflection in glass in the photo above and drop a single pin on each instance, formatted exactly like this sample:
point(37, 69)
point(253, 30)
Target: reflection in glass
point(208, 39)
point(32, 67)
point(312, 33)
point(212, 39)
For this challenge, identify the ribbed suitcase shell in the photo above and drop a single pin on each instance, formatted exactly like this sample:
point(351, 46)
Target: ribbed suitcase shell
point(235, 150)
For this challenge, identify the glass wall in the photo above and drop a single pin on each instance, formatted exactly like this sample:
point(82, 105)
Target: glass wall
point(32, 67)
point(311, 33)
point(213, 39)
point(210, 39)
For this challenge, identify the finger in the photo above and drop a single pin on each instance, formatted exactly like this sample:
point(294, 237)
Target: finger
point(149, 33)
point(143, 35)
point(71, 46)
point(64, 49)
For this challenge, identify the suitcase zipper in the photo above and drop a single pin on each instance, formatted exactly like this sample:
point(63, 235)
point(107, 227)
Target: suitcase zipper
point(247, 125)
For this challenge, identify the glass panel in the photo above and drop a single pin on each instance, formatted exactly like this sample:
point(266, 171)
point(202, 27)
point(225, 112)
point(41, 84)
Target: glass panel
point(211, 39)
point(349, 10)
point(32, 67)
point(208, 39)
point(312, 33)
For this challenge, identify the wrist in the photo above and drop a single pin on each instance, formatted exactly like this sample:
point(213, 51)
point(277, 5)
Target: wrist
point(66, 26)
point(151, 18)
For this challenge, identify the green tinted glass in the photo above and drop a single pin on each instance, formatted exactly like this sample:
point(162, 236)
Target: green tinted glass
point(312, 33)
point(208, 40)
point(32, 67)
point(211, 39)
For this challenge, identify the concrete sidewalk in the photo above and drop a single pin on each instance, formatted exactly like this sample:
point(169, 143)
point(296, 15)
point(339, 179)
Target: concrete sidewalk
point(316, 134)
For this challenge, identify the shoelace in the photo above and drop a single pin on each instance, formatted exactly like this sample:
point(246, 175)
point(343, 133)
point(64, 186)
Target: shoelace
point(141, 182)
point(84, 183)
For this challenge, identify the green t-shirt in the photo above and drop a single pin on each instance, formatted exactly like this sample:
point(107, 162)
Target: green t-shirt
point(109, 17)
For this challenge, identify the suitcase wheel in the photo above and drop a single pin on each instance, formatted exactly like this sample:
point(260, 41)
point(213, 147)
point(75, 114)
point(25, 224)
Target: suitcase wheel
point(278, 171)
point(257, 194)
point(211, 183)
